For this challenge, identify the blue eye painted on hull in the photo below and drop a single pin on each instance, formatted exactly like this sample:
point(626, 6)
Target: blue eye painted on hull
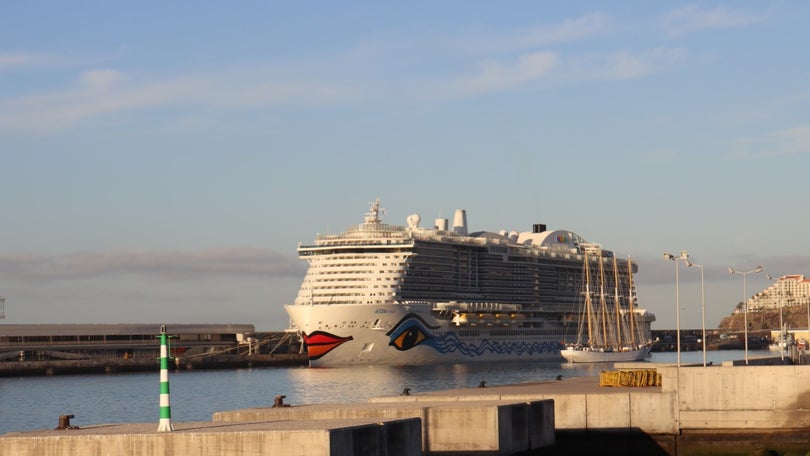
point(409, 332)
point(412, 331)
point(409, 338)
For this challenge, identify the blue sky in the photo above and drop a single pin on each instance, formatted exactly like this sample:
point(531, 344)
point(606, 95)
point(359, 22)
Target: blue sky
point(161, 161)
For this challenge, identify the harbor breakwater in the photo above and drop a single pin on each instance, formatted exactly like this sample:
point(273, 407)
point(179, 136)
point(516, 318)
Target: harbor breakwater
point(119, 364)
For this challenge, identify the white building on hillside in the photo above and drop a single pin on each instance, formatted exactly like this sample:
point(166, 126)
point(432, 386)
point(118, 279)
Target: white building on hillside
point(788, 290)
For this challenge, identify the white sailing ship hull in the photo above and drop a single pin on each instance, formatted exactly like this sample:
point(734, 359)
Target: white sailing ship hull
point(595, 356)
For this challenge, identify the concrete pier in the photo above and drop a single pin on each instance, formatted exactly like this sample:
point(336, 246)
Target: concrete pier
point(579, 403)
point(695, 397)
point(316, 438)
point(483, 426)
point(727, 409)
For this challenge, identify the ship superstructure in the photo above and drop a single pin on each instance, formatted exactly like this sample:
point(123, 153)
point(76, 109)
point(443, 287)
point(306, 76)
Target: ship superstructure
point(389, 294)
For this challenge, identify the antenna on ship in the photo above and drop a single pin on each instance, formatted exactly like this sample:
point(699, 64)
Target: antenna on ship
point(373, 215)
point(2, 308)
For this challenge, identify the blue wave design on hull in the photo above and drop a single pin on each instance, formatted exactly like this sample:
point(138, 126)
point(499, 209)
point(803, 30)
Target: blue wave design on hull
point(412, 330)
point(450, 343)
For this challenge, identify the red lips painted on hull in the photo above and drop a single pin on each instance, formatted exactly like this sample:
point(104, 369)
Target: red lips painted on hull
point(320, 343)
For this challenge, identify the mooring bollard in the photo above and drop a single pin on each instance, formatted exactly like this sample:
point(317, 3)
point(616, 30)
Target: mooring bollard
point(165, 407)
point(64, 423)
point(279, 402)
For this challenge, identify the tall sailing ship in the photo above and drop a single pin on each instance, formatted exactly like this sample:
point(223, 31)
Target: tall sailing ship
point(610, 327)
point(406, 295)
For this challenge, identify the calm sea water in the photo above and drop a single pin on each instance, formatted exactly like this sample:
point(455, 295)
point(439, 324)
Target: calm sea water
point(29, 403)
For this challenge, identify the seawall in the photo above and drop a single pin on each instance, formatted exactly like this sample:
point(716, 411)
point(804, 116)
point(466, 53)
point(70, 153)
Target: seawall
point(728, 409)
point(119, 364)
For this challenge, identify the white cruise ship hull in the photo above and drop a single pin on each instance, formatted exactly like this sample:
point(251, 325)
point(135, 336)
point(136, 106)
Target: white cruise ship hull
point(405, 295)
point(394, 334)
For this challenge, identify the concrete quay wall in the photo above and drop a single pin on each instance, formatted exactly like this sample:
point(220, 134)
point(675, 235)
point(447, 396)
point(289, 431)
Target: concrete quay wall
point(405, 429)
point(579, 403)
point(695, 406)
point(750, 397)
point(462, 427)
point(740, 397)
point(315, 438)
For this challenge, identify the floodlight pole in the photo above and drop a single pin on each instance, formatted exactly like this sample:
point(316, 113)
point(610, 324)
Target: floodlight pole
point(683, 256)
point(702, 307)
point(756, 270)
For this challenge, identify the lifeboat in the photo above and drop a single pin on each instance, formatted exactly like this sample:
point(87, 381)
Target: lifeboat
point(487, 318)
point(518, 317)
point(503, 319)
point(464, 319)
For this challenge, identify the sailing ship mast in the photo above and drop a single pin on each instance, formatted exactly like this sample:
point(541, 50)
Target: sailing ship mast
point(616, 303)
point(602, 303)
point(607, 341)
point(630, 309)
point(588, 309)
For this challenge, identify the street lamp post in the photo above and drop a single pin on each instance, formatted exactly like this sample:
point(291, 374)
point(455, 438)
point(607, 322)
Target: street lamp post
point(782, 338)
point(683, 256)
point(702, 307)
point(745, 304)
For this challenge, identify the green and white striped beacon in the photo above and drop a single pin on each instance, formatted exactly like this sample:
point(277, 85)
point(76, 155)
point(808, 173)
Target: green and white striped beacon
point(165, 409)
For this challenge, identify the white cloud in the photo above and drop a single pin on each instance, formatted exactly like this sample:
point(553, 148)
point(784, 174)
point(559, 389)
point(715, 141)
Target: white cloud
point(567, 31)
point(660, 155)
point(496, 76)
point(791, 141)
point(692, 18)
point(103, 92)
point(624, 64)
point(274, 93)
point(107, 92)
point(100, 79)
point(9, 61)
point(154, 264)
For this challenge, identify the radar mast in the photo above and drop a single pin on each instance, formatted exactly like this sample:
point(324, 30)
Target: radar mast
point(373, 215)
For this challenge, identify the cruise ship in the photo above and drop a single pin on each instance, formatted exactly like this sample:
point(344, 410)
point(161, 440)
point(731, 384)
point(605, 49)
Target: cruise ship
point(406, 295)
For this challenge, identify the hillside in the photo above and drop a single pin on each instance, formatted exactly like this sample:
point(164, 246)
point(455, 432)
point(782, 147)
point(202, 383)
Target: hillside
point(794, 317)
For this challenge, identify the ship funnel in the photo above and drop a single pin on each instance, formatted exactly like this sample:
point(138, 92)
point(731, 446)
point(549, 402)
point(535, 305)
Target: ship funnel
point(441, 224)
point(460, 222)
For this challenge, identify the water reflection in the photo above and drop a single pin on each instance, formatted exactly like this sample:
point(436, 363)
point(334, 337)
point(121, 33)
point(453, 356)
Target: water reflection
point(363, 383)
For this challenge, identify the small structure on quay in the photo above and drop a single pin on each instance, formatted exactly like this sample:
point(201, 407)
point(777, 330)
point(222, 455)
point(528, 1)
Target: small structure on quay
point(165, 424)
